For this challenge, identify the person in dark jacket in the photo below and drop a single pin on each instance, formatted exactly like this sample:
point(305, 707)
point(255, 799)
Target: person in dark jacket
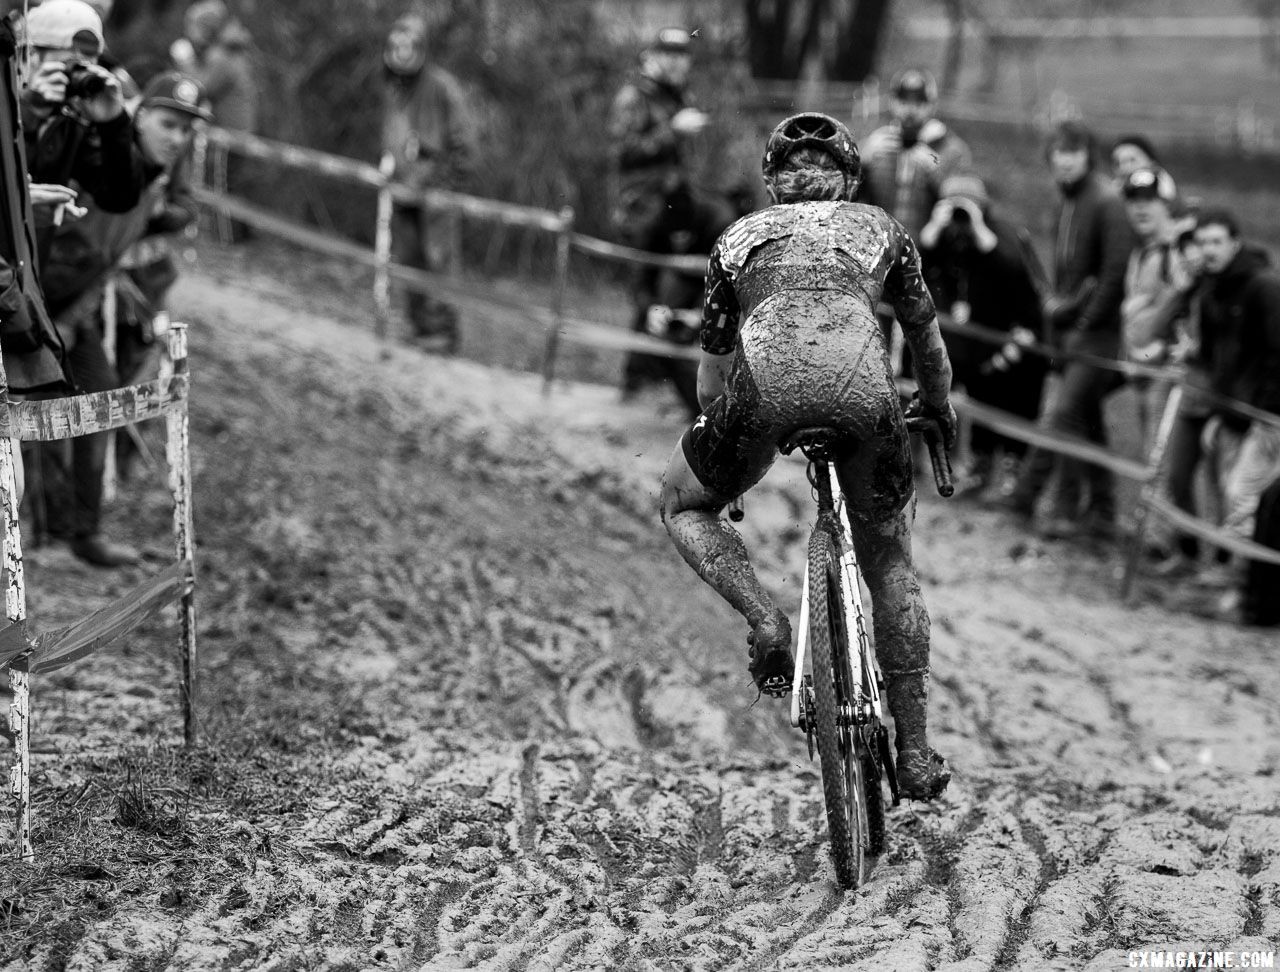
point(982, 270)
point(73, 115)
point(82, 255)
point(1093, 240)
point(649, 123)
point(1240, 338)
point(428, 134)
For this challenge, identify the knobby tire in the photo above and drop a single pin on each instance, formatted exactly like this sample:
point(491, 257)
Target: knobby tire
point(844, 786)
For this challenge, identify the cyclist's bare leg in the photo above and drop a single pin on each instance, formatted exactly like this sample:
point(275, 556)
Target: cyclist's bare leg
point(901, 624)
point(708, 544)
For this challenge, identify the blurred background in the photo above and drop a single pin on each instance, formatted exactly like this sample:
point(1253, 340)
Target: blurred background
point(544, 72)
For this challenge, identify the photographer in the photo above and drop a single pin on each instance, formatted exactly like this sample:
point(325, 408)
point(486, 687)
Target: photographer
point(982, 270)
point(73, 115)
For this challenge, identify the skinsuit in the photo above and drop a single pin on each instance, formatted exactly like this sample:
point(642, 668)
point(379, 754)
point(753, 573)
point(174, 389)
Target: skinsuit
point(789, 314)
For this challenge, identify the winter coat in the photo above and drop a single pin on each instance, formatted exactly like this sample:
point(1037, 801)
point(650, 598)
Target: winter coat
point(1151, 299)
point(1240, 330)
point(86, 250)
point(1092, 243)
point(906, 182)
point(999, 287)
point(646, 149)
point(429, 130)
point(101, 160)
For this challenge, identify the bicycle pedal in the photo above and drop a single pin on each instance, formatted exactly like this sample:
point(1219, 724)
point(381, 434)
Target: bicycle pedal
point(776, 686)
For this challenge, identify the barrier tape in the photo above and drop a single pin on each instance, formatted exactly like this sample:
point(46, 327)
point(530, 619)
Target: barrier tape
point(76, 415)
point(59, 647)
point(581, 331)
point(683, 263)
point(341, 167)
point(1249, 549)
point(1027, 431)
point(327, 243)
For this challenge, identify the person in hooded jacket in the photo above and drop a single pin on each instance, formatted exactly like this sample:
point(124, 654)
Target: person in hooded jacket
point(1240, 341)
point(428, 132)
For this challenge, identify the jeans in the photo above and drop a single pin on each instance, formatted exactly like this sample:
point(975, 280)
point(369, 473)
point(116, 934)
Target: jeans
point(1255, 468)
point(1077, 411)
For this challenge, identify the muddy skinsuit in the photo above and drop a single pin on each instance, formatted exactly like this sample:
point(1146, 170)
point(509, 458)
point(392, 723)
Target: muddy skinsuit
point(792, 290)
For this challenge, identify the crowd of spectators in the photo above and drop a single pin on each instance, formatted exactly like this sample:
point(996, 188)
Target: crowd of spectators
point(1138, 275)
point(107, 158)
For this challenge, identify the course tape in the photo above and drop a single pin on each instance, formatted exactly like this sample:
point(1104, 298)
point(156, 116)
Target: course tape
point(1249, 549)
point(75, 415)
point(341, 167)
point(60, 647)
point(682, 262)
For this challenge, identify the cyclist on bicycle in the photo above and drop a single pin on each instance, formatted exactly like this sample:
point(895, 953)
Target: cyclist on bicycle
point(790, 339)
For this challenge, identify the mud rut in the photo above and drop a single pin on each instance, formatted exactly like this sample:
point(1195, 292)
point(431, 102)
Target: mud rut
point(1115, 780)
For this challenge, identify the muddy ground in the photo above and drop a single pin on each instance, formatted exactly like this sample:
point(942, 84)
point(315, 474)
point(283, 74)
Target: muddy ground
point(462, 706)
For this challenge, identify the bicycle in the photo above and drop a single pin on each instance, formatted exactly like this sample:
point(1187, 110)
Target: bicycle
point(839, 713)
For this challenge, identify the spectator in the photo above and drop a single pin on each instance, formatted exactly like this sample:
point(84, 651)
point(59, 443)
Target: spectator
point(649, 122)
point(428, 132)
point(905, 162)
point(1151, 294)
point(217, 51)
point(982, 270)
point(73, 115)
point(1240, 334)
point(1130, 152)
point(82, 256)
point(1091, 253)
point(1184, 450)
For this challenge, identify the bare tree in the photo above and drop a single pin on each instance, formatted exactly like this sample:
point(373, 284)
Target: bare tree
point(782, 35)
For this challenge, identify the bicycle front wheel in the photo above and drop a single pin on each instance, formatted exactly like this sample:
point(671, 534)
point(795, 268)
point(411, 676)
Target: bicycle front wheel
point(844, 779)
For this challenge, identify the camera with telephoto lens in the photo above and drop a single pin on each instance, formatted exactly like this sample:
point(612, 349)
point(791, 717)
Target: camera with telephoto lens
point(83, 81)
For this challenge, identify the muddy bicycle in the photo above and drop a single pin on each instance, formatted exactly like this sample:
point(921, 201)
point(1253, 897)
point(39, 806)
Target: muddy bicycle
point(837, 701)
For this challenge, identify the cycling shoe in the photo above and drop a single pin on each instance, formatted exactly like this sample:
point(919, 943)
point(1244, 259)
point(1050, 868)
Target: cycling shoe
point(922, 774)
point(771, 663)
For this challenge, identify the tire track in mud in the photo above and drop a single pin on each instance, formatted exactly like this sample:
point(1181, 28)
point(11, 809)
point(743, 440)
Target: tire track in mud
point(606, 800)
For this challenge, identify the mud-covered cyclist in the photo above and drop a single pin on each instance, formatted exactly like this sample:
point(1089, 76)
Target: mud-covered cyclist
point(790, 339)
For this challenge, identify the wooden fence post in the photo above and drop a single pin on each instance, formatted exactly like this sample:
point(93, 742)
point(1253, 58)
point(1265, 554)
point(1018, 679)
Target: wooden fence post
point(177, 451)
point(15, 602)
point(1155, 465)
point(564, 242)
point(382, 251)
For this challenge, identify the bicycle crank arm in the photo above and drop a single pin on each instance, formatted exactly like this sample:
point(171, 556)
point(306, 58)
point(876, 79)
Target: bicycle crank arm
point(802, 649)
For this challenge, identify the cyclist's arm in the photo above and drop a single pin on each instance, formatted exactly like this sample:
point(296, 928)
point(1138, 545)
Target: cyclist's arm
point(906, 290)
point(719, 330)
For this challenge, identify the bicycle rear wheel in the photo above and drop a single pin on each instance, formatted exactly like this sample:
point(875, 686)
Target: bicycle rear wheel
point(844, 768)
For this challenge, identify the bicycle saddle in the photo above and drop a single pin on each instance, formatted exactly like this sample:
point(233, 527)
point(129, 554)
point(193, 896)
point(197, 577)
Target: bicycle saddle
point(819, 443)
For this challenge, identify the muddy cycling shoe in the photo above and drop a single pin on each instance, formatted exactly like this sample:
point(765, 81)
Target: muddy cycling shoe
point(922, 774)
point(771, 663)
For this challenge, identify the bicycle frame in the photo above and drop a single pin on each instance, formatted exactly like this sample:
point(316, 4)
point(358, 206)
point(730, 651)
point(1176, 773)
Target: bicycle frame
point(868, 704)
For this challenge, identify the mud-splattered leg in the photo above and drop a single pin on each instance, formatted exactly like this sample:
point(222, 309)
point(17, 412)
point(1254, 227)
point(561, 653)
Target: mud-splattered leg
point(708, 544)
point(901, 625)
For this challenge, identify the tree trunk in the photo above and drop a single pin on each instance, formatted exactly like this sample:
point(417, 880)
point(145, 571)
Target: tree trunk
point(858, 37)
point(955, 46)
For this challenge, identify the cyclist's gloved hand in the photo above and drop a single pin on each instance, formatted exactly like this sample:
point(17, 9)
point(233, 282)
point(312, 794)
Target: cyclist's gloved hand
point(945, 415)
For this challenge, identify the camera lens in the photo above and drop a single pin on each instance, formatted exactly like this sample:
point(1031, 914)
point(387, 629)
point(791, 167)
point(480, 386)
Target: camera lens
point(83, 83)
point(960, 216)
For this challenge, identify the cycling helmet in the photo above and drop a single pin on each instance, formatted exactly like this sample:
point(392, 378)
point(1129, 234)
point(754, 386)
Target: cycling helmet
point(812, 129)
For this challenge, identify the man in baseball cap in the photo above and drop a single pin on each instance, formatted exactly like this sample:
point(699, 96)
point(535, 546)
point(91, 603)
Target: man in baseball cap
point(65, 26)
